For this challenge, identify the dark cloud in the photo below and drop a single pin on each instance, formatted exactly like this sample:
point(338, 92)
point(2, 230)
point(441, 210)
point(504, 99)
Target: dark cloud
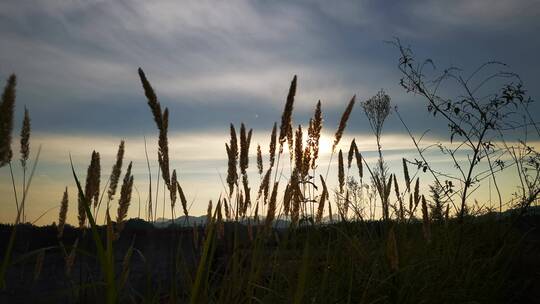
point(212, 64)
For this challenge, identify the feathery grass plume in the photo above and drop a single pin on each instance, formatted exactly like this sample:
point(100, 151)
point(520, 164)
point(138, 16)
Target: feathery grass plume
point(89, 189)
point(244, 148)
point(306, 161)
point(259, 160)
point(285, 130)
point(153, 102)
point(272, 148)
point(359, 163)
point(298, 151)
point(25, 138)
point(343, 123)
point(7, 108)
point(174, 183)
point(162, 123)
point(324, 196)
point(227, 210)
point(209, 218)
point(388, 188)
point(182, 198)
point(232, 153)
point(417, 192)
point(426, 227)
point(392, 250)
point(411, 204)
point(352, 150)
point(63, 213)
point(287, 196)
point(314, 133)
point(70, 259)
point(93, 179)
point(247, 192)
point(219, 222)
point(272, 206)
point(399, 198)
point(296, 200)
point(163, 149)
point(124, 201)
point(406, 173)
point(341, 172)
point(116, 171)
point(265, 184)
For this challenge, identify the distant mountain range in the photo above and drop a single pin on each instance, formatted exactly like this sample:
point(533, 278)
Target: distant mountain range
point(282, 222)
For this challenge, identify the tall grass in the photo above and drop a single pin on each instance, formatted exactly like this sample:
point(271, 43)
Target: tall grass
point(412, 252)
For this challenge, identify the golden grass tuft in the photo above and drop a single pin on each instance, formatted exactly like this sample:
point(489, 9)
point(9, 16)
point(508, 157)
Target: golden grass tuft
point(285, 130)
point(63, 213)
point(7, 107)
point(343, 123)
point(341, 172)
point(25, 138)
point(314, 133)
point(116, 171)
point(125, 199)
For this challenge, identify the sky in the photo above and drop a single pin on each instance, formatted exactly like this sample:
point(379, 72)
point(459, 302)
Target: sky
point(218, 62)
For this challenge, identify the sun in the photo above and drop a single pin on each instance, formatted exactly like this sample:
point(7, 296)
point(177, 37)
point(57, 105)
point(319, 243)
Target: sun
point(325, 145)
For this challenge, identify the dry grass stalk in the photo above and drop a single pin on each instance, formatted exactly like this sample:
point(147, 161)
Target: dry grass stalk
point(296, 201)
point(287, 196)
point(359, 163)
point(182, 198)
point(174, 184)
point(247, 191)
point(162, 123)
point(25, 138)
point(406, 173)
point(244, 148)
point(399, 198)
point(343, 123)
point(272, 148)
point(63, 213)
point(91, 187)
point(322, 199)
point(417, 193)
point(39, 264)
point(163, 150)
point(426, 227)
point(272, 207)
point(306, 161)
point(265, 184)
point(116, 171)
point(341, 172)
point(232, 153)
point(259, 160)
point(125, 199)
point(314, 133)
point(209, 218)
point(220, 224)
point(7, 107)
point(352, 150)
point(227, 209)
point(298, 151)
point(392, 250)
point(285, 130)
